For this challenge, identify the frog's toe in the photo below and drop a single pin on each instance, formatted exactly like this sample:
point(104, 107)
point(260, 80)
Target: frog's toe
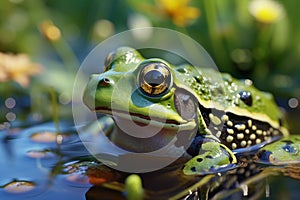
point(281, 152)
point(214, 159)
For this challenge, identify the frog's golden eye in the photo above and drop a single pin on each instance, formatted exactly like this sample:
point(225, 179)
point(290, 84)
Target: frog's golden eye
point(154, 79)
point(108, 60)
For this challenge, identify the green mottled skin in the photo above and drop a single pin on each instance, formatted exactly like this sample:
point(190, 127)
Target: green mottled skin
point(217, 87)
point(213, 154)
point(210, 89)
point(284, 151)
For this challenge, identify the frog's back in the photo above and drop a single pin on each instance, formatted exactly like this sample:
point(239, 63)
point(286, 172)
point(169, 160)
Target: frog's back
point(233, 110)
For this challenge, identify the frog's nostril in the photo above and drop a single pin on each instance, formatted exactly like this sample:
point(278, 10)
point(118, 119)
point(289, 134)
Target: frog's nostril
point(104, 82)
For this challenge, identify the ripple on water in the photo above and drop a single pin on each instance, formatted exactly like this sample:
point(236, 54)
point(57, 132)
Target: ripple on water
point(40, 154)
point(48, 137)
point(19, 186)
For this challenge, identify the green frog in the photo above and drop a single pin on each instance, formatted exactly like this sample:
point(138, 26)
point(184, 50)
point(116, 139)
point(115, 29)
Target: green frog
point(212, 115)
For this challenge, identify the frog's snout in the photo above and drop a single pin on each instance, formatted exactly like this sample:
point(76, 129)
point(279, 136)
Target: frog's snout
point(97, 83)
point(90, 92)
point(89, 96)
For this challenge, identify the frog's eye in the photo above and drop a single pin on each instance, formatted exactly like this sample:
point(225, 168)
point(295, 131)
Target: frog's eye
point(108, 60)
point(154, 78)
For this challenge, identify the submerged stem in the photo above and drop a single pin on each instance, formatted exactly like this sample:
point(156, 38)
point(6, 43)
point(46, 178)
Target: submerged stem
point(55, 116)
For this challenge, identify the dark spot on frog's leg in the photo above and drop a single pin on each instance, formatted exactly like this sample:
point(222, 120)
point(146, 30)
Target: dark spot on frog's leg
point(264, 155)
point(289, 148)
point(209, 157)
point(193, 169)
point(246, 97)
point(199, 159)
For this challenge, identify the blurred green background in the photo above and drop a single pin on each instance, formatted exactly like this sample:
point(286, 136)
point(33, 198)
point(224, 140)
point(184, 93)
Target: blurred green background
point(256, 39)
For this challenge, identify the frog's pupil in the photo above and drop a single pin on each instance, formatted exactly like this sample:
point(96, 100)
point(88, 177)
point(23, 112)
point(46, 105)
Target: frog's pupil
point(154, 78)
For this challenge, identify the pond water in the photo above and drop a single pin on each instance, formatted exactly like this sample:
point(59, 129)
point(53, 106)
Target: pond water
point(36, 163)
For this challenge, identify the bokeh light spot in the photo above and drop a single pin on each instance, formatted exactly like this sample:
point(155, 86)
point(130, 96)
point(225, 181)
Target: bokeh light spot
point(137, 21)
point(241, 56)
point(64, 98)
point(10, 116)
point(293, 102)
point(50, 31)
point(104, 28)
point(10, 102)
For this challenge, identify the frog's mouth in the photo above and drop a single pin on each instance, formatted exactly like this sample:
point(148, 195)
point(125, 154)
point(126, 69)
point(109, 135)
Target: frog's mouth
point(143, 120)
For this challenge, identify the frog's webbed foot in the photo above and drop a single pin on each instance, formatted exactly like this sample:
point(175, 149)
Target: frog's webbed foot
point(282, 152)
point(213, 158)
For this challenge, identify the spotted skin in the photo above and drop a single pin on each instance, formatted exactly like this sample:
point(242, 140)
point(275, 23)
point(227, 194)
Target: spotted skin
point(238, 132)
point(213, 157)
point(283, 151)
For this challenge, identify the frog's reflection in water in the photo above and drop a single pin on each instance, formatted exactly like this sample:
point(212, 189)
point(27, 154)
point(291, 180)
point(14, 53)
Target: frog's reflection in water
point(249, 181)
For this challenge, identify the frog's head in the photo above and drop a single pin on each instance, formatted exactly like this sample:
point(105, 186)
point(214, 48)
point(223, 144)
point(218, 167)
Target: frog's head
point(142, 91)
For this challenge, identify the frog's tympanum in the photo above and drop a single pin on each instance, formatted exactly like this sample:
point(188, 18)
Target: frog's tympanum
point(215, 114)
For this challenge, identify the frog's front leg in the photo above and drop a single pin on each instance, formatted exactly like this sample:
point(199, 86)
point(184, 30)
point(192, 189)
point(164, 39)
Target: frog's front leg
point(209, 155)
point(213, 157)
point(281, 152)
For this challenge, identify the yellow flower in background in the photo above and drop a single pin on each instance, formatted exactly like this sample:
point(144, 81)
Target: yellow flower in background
point(266, 11)
point(179, 11)
point(17, 68)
